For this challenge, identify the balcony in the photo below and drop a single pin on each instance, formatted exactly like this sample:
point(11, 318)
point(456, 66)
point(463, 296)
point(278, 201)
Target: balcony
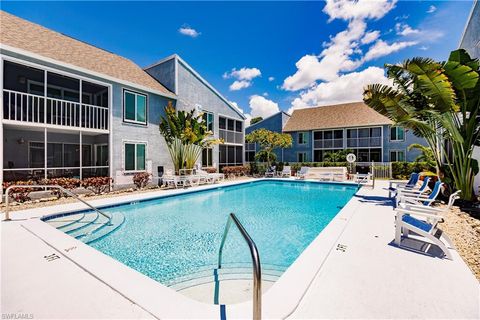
point(42, 98)
point(35, 109)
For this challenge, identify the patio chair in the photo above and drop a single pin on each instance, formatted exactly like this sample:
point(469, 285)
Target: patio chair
point(409, 184)
point(426, 200)
point(414, 191)
point(270, 173)
point(286, 172)
point(423, 220)
point(302, 174)
point(362, 178)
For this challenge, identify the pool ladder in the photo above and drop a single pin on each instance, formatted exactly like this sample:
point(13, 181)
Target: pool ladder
point(257, 270)
point(44, 186)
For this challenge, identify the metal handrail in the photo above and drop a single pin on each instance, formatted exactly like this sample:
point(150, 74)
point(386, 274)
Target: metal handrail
point(257, 270)
point(7, 206)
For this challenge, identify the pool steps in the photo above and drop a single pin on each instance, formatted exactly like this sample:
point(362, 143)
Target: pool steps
point(211, 274)
point(87, 226)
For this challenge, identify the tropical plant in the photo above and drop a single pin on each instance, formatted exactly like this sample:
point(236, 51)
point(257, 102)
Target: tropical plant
point(97, 185)
point(255, 120)
point(186, 134)
point(439, 101)
point(268, 142)
point(426, 154)
point(336, 156)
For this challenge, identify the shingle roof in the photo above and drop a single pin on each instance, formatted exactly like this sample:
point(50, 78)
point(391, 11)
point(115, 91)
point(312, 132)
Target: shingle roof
point(28, 36)
point(355, 114)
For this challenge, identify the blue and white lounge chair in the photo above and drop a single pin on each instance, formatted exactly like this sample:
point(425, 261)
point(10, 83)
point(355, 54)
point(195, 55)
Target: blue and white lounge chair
point(426, 200)
point(422, 220)
point(271, 172)
point(410, 184)
point(414, 191)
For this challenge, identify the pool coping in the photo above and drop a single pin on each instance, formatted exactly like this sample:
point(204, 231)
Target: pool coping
point(280, 301)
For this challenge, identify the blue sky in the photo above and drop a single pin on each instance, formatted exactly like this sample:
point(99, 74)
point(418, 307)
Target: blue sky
point(266, 56)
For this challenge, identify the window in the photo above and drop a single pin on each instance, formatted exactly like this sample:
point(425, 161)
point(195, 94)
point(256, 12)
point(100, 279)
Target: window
point(134, 156)
point(208, 117)
point(249, 156)
point(364, 137)
point(230, 130)
point(327, 139)
point(134, 107)
point(397, 134)
point(230, 155)
point(397, 155)
point(207, 160)
point(301, 157)
point(302, 137)
point(59, 155)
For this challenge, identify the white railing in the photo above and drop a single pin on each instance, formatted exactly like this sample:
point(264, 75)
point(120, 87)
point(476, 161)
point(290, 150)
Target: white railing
point(25, 107)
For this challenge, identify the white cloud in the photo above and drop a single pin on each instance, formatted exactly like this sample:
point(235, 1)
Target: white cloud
point(271, 79)
point(346, 88)
point(339, 54)
point(188, 31)
point(371, 36)
point(424, 48)
point(244, 73)
point(239, 85)
point(381, 48)
point(432, 9)
point(244, 77)
point(404, 29)
point(262, 107)
point(358, 9)
point(265, 94)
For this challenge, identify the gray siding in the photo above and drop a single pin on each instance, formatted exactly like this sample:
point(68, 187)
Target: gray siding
point(471, 37)
point(164, 73)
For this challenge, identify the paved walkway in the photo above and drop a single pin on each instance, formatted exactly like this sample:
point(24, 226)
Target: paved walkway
point(375, 279)
point(370, 279)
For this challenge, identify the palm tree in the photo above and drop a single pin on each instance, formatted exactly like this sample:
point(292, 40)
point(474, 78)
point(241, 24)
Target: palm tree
point(186, 134)
point(439, 101)
point(426, 154)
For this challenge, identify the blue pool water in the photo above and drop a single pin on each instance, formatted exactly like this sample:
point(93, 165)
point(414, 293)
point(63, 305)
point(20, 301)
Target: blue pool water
point(173, 237)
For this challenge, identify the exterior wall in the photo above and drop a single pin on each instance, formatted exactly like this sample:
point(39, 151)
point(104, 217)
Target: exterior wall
point(156, 151)
point(193, 93)
point(471, 40)
point(165, 74)
point(290, 154)
point(273, 123)
point(410, 138)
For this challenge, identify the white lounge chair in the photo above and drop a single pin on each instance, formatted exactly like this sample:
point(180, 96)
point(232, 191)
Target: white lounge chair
point(409, 184)
point(423, 220)
point(362, 178)
point(302, 174)
point(286, 172)
point(271, 172)
point(415, 191)
point(427, 200)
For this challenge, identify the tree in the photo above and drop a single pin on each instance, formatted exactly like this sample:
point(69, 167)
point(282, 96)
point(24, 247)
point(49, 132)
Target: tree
point(269, 141)
point(425, 156)
point(336, 156)
point(186, 134)
point(439, 101)
point(255, 120)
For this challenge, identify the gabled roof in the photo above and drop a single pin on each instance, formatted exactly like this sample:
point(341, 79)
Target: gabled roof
point(200, 78)
point(33, 38)
point(273, 115)
point(355, 114)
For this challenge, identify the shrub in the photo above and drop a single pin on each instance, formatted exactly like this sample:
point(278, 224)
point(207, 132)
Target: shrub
point(20, 194)
point(98, 185)
point(66, 183)
point(236, 171)
point(141, 179)
point(210, 169)
point(402, 170)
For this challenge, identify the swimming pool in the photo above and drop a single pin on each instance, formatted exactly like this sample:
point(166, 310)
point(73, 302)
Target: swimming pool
point(172, 237)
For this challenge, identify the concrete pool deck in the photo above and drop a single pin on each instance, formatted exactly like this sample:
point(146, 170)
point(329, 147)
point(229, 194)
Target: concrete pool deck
point(367, 278)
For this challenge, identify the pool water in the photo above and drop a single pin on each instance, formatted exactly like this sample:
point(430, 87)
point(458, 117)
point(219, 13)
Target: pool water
point(169, 238)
